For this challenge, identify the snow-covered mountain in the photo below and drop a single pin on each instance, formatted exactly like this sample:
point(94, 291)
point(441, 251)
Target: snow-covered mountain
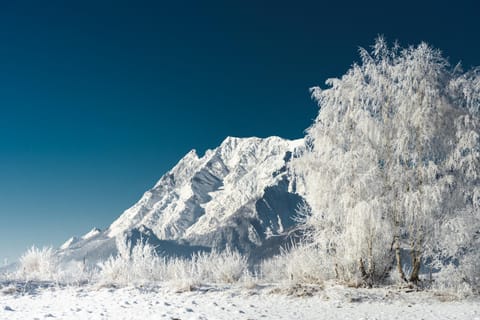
point(240, 194)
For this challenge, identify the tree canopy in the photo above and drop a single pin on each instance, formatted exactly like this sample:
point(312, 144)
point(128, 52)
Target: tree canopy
point(392, 167)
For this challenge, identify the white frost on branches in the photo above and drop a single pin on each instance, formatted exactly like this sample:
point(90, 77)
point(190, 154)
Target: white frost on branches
point(393, 166)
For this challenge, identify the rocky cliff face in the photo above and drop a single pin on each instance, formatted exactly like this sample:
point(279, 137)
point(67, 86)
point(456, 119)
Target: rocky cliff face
point(240, 194)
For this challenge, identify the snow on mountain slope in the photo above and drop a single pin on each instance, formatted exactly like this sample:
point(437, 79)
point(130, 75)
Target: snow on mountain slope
point(92, 233)
point(67, 244)
point(239, 195)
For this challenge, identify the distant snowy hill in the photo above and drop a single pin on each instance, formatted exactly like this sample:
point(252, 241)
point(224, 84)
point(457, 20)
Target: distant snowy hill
point(240, 194)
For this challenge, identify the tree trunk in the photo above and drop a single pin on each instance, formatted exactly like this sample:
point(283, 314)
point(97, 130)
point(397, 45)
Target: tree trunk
point(366, 278)
point(361, 266)
point(371, 262)
point(398, 257)
point(416, 267)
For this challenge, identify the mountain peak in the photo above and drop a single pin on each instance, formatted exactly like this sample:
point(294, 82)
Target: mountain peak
point(233, 196)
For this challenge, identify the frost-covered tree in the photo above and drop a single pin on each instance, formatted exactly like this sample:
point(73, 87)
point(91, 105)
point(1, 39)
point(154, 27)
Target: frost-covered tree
point(392, 158)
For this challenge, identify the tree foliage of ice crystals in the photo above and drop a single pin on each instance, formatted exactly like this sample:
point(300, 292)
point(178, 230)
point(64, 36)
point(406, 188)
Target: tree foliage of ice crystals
point(394, 155)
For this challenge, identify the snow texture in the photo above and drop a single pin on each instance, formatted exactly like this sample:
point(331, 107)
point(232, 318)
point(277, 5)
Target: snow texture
point(228, 303)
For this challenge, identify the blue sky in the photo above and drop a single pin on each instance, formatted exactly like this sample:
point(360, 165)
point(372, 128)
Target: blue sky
point(99, 98)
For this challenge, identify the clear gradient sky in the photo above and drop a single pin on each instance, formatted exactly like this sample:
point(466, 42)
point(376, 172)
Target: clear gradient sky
point(99, 98)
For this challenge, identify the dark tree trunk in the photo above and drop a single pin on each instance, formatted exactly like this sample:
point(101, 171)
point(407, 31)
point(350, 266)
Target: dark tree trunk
point(398, 258)
point(414, 276)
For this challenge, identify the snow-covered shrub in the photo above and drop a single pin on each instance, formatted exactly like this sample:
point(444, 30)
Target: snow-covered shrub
point(114, 271)
point(452, 280)
point(459, 260)
point(75, 273)
point(43, 265)
point(230, 266)
point(214, 267)
point(227, 266)
point(38, 264)
point(301, 264)
point(132, 265)
point(181, 273)
point(145, 262)
point(469, 271)
point(140, 264)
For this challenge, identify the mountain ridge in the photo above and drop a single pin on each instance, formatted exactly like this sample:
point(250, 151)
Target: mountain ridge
point(237, 195)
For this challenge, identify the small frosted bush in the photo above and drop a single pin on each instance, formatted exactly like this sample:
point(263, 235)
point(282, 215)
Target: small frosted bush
point(114, 271)
point(75, 272)
point(183, 274)
point(38, 264)
point(220, 267)
point(43, 265)
point(215, 267)
point(300, 265)
point(462, 279)
point(132, 265)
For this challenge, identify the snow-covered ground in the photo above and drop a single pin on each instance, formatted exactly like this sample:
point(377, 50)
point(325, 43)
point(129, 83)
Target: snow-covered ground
point(163, 302)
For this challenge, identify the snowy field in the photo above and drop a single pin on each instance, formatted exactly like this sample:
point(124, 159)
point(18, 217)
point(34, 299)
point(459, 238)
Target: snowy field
point(34, 302)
